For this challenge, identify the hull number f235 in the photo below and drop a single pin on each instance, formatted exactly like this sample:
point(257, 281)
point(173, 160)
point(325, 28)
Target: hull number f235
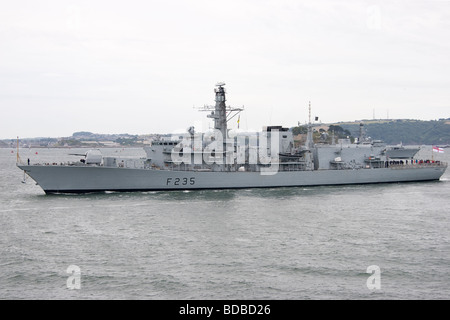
point(180, 181)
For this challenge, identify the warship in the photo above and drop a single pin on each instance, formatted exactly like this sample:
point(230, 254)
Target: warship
point(221, 158)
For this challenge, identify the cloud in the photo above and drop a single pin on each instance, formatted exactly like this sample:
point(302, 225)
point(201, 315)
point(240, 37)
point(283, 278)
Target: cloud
point(140, 67)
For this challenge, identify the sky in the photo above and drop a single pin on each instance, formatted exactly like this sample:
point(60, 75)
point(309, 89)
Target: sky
point(142, 67)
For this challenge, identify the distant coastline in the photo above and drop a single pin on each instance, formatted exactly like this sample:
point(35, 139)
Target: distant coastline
point(391, 131)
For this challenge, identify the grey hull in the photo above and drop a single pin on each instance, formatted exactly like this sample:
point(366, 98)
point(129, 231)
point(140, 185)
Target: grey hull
point(82, 179)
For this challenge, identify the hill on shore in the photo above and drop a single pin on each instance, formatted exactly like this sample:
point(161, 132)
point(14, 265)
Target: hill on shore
point(408, 132)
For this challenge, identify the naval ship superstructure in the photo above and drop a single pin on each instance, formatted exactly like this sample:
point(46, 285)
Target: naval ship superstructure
point(221, 159)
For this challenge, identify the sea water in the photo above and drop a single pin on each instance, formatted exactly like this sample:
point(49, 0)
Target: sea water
point(383, 241)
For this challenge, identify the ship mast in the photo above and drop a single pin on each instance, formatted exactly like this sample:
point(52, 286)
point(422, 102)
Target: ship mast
point(220, 114)
point(220, 110)
point(17, 152)
point(309, 136)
